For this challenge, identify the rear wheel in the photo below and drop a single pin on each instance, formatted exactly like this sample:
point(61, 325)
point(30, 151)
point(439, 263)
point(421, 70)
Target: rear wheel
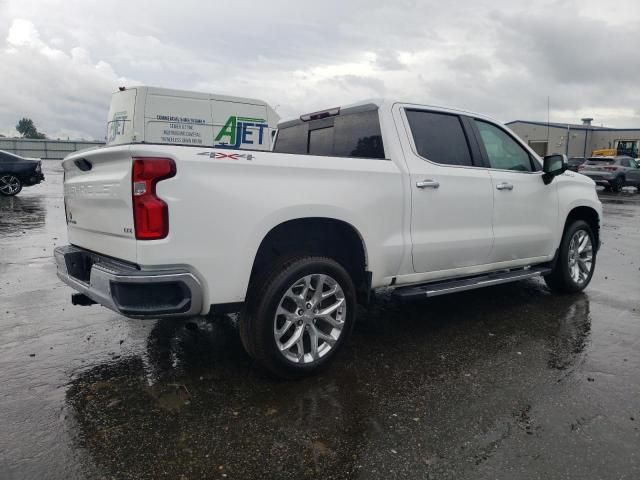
point(576, 259)
point(298, 315)
point(10, 185)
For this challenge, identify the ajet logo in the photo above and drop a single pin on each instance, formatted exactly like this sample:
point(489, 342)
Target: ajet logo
point(239, 131)
point(116, 125)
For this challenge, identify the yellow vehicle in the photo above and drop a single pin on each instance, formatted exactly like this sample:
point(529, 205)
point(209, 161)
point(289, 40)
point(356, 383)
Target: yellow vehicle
point(604, 152)
point(628, 148)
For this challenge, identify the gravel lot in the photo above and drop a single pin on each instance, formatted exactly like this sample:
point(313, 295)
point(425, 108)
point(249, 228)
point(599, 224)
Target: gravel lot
point(507, 382)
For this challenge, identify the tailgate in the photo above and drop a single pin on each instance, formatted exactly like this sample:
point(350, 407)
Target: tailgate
point(97, 196)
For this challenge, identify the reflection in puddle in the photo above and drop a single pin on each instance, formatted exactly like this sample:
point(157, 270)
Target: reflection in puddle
point(573, 335)
point(19, 214)
point(413, 381)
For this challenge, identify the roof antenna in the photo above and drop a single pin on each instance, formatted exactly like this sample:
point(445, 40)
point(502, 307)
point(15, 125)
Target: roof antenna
point(548, 102)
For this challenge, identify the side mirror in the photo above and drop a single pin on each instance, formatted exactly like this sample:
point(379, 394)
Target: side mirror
point(553, 166)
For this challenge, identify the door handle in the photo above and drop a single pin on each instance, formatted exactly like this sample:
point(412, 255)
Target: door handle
point(428, 184)
point(504, 186)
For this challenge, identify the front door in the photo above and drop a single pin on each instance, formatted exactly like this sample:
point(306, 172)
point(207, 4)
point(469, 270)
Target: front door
point(451, 196)
point(632, 172)
point(525, 210)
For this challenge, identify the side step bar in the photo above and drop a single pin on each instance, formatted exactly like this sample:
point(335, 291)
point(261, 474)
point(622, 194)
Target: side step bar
point(433, 289)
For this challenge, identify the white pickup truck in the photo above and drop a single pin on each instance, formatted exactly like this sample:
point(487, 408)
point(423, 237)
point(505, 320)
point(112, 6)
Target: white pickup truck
point(424, 199)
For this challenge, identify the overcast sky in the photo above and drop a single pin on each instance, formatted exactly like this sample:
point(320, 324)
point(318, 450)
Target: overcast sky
point(61, 60)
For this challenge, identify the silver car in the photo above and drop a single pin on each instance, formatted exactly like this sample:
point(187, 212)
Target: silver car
point(612, 172)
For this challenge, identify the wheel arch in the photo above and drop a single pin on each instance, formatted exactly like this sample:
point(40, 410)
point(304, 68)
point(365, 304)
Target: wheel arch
point(589, 215)
point(324, 236)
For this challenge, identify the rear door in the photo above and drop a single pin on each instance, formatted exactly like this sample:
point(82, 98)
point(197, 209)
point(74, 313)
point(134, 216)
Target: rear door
point(451, 197)
point(98, 203)
point(525, 210)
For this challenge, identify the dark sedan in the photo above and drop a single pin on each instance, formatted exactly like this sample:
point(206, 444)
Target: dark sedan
point(17, 172)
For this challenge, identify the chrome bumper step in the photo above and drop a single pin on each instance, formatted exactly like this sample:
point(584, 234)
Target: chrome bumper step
point(433, 289)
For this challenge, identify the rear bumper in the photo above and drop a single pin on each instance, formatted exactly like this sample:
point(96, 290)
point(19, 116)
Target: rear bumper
point(34, 179)
point(128, 290)
point(599, 178)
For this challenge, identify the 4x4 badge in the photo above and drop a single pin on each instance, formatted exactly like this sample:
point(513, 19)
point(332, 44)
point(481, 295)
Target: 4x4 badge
point(229, 156)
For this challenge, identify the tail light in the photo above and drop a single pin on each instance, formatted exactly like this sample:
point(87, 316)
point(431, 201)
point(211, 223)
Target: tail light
point(150, 213)
point(611, 169)
point(581, 167)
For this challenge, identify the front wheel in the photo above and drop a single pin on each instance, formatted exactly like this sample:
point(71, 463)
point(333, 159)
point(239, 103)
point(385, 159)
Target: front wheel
point(576, 259)
point(298, 315)
point(618, 183)
point(10, 185)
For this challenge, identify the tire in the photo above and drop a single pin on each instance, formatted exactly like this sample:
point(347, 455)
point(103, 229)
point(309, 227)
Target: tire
point(618, 183)
point(10, 185)
point(563, 278)
point(282, 316)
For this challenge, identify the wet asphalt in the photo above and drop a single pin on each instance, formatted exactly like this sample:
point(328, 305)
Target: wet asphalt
point(508, 382)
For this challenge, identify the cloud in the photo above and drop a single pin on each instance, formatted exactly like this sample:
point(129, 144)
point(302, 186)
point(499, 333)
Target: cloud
point(62, 59)
point(66, 93)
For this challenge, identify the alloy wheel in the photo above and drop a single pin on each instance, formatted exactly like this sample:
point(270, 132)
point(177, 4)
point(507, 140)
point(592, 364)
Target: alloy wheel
point(310, 318)
point(9, 184)
point(580, 257)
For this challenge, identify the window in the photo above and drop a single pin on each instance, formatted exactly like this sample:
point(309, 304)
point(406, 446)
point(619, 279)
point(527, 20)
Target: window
point(358, 135)
point(626, 162)
point(292, 139)
point(321, 141)
point(503, 152)
point(439, 137)
point(345, 135)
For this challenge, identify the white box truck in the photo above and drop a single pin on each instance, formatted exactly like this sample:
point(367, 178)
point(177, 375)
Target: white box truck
point(177, 117)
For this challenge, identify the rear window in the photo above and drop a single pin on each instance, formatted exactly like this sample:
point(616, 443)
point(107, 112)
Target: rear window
point(600, 161)
point(576, 161)
point(345, 135)
point(293, 139)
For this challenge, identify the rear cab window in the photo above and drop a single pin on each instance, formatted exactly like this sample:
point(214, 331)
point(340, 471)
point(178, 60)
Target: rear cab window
point(353, 132)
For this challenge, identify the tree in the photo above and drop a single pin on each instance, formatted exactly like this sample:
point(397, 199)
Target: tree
point(27, 129)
